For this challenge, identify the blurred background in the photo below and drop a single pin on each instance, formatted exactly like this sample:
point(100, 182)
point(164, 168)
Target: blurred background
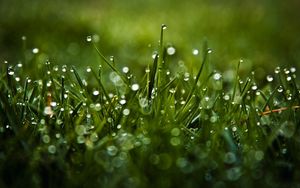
point(265, 33)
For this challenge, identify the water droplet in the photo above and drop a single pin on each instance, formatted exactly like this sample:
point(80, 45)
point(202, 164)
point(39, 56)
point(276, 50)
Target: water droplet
point(94, 137)
point(80, 130)
point(19, 65)
point(88, 69)
point(280, 89)
point(135, 87)
point(277, 70)
point(171, 50)
point(175, 131)
point(11, 72)
point(209, 51)
point(172, 90)
point(259, 155)
point(234, 173)
point(126, 112)
point(122, 101)
point(53, 104)
point(186, 76)
point(195, 51)
point(17, 79)
point(147, 70)
point(234, 129)
point(23, 38)
point(175, 141)
point(52, 149)
point(116, 79)
point(270, 78)
point(289, 78)
point(119, 126)
point(226, 97)
point(48, 111)
point(287, 129)
point(89, 38)
point(125, 70)
point(96, 93)
point(254, 87)
point(217, 76)
point(164, 26)
point(293, 69)
point(229, 158)
point(35, 50)
point(46, 139)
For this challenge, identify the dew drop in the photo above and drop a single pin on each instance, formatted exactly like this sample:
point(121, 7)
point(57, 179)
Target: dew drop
point(23, 38)
point(171, 50)
point(195, 51)
point(46, 139)
point(217, 76)
point(35, 50)
point(289, 78)
point(254, 87)
point(96, 93)
point(122, 101)
point(209, 51)
point(88, 69)
point(17, 79)
point(280, 89)
point(125, 70)
point(135, 87)
point(164, 26)
point(112, 150)
point(269, 78)
point(52, 149)
point(293, 69)
point(89, 38)
point(277, 70)
point(11, 72)
point(126, 112)
point(226, 97)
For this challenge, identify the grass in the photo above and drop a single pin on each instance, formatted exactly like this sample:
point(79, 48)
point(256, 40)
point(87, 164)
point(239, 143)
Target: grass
point(61, 127)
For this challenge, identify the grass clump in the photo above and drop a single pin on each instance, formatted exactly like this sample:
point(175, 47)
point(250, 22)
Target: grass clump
point(170, 128)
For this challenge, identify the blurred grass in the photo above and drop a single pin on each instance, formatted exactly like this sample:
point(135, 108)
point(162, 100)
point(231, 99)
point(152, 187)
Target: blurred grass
point(265, 33)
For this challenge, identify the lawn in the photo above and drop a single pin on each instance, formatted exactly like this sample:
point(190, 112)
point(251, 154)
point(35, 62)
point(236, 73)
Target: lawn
point(149, 94)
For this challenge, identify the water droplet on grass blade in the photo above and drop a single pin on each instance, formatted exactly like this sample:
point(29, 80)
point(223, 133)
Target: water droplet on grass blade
point(280, 89)
point(164, 26)
point(171, 50)
point(135, 87)
point(35, 50)
point(277, 70)
point(96, 93)
point(125, 70)
point(88, 69)
point(269, 78)
point(52, 149)
point(126, 112)
point(89, 38)
point(195, 52)
point(217, 76)
point(293, 69)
